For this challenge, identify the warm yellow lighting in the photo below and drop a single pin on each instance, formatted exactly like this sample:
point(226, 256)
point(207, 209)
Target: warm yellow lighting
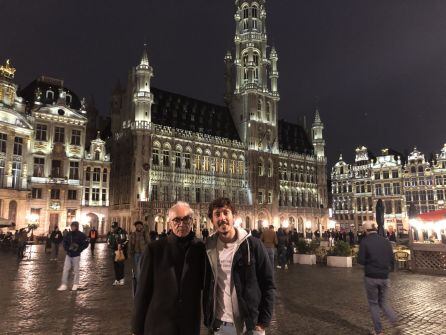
point(285, 224)
point(331, 224)
point(33, 218)
point(7, 70)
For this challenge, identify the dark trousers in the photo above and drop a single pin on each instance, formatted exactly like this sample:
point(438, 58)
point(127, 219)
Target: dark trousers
point(92, 244)
point(119, 270)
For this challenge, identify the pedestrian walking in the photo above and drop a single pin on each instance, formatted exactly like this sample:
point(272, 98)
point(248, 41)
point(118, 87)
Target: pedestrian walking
point(117, 242)
point(376, 254)
point(55, 239)
point(282, 247)
point(205, 234)
point(238, 295)
point(21, 238)
point(74, 243)
point(137, 244)
point(92, 236)
point(289, 247)
point(269, 239)
point(167, 300)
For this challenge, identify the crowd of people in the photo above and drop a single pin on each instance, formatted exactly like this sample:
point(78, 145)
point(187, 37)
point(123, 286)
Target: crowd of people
point(230, 268)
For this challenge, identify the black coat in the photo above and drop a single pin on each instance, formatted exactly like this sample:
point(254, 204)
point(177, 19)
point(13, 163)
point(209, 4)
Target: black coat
point(164, 304)
point(252, 274)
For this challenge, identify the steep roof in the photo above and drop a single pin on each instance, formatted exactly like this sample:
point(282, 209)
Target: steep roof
point(293, 137)
point(44, 84)
point(178, 111)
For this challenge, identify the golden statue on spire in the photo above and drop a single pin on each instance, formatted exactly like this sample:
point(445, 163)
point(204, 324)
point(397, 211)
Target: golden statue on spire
point(7, 70)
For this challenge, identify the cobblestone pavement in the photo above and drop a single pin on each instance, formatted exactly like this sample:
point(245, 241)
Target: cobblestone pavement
point(310, 300)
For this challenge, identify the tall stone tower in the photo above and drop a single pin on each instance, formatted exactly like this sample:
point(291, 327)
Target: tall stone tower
point(317, 135)
point(317, 138)
point(142, 97)
point(254, 101)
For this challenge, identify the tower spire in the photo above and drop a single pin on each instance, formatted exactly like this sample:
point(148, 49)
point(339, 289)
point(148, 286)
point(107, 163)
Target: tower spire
point(145, 58)
point(143, 98)
point(317, 135)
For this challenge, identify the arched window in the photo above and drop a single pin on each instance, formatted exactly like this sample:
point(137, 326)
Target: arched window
point(97, 155)
point(260, 168)
point(245, 12)
point(270, 168)
point(256, 63)
point(50, 95)
point(259, 109)
point(245, 67)
point(255, 11)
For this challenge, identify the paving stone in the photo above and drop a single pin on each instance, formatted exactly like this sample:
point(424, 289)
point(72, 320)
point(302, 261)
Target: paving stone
point(310, 299)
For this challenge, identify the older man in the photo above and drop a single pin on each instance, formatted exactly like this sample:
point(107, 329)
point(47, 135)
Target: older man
point(238, 295)
point(168, 295)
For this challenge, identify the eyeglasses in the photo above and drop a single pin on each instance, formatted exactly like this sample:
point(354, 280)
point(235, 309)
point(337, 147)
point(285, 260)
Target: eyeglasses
point(186, 220)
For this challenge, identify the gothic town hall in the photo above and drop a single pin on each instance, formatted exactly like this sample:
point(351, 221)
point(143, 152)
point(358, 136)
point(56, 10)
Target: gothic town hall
point(168, 147)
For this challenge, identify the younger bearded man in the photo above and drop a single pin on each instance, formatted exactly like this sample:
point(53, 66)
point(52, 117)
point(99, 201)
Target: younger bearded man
point(238, 296)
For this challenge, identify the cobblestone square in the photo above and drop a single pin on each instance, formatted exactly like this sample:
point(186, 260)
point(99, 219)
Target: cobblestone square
point(310, 300)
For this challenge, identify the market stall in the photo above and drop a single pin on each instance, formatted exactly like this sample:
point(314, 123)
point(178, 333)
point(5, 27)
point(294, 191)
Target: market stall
point(428, 242)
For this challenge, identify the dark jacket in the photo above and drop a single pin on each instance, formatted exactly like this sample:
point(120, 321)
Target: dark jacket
point(376, 254)
point(167, 303)
point(252, 277)
point(74, 243)
point(56, 237)
point(117, 237)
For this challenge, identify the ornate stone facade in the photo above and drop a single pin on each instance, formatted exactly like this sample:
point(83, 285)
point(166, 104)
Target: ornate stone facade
point(168, 147)
point(42, 153)
point(356, 188)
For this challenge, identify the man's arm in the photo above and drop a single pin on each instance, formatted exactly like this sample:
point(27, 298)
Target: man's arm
point(144, 292)
point(265, 278)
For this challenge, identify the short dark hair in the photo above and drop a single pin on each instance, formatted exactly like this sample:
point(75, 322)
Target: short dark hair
point(138, 222)
point(220, 203)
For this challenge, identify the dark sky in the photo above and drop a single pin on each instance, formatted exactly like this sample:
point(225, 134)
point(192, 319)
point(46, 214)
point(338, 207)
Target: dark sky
point(377, 67)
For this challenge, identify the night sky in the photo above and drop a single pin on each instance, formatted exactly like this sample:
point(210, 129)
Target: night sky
point(377, 68)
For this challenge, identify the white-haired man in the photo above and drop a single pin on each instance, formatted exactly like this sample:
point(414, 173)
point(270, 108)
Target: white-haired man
point(376, 254)
point(171, 278)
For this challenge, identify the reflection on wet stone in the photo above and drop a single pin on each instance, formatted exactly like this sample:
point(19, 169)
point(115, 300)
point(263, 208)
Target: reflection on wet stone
point(310, 300)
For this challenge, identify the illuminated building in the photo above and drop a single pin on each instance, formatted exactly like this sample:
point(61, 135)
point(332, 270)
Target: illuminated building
point(357, 188)
point(42, 154)
point(169, 147)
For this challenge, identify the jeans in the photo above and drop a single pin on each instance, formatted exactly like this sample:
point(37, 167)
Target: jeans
point(137, 266)
point(271, 252)
point(71, 262)
point(92, 244)
point(54, 250)
point(119, 270)
point(282, 255)
point(377, 296)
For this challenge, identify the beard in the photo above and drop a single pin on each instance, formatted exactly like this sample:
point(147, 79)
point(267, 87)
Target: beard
point(222, 224)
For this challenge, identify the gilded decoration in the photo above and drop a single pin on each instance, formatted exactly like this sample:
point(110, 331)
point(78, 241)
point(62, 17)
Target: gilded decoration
point(7, 70)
